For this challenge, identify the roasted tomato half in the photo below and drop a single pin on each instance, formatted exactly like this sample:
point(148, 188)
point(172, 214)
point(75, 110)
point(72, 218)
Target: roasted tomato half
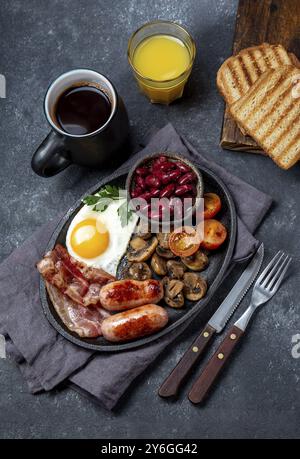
point(212, 205)
point(184, 241)
point(215, 234)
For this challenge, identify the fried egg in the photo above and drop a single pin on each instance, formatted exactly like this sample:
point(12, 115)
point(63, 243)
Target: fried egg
point(98, 238)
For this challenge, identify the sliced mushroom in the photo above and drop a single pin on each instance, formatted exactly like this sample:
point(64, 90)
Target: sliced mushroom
point(158, 265)
point(195, 286)
point(165, 253)
point(176, 269)
point(173, 292)
point(137, 243)
point(196, 262)
point(139, 271)
point(141, 250)
point(142, 231)
point(163, 240)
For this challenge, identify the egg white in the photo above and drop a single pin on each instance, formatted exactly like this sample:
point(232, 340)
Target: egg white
point(118, 236)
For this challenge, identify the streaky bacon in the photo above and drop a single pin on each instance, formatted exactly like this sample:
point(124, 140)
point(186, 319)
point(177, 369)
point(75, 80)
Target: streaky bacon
point(84, 320)
point(81, 283)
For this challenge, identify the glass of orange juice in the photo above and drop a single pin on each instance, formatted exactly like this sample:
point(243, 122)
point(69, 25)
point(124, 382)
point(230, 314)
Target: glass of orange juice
point(161, 54)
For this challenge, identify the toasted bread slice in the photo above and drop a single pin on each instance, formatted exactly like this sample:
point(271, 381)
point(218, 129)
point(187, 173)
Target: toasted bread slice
point(270, 114)
point(238, 73)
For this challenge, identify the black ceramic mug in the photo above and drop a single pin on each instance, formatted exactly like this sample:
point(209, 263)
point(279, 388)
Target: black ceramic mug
point(60, 148)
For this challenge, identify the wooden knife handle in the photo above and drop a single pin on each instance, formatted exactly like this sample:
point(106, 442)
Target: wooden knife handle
point(171, 385)
point(215, 365)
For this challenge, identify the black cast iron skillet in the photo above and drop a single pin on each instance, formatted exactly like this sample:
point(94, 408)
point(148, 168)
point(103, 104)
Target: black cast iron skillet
point(219, 262)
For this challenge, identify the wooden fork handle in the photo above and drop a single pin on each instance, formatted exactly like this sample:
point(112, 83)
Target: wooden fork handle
point(172, 383)
point(215, 365)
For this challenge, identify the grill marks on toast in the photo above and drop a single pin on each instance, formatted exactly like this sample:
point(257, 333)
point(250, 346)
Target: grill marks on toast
point(256, 71)
point(271, 123)
point(271, 115)
point(238, 73)
point(265, 98)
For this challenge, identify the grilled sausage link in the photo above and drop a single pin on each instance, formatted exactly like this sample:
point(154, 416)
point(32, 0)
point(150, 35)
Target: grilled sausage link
point(133, 324)
point(128, 293)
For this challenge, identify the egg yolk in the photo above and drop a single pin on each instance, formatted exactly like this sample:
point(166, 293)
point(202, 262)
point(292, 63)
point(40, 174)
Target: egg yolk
point(89, 238)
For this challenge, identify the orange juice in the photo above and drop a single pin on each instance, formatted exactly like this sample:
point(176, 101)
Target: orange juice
point(161, 54)
point(161, 57)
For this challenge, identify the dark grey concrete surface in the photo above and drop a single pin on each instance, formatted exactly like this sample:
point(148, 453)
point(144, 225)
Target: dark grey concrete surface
point(258, 396)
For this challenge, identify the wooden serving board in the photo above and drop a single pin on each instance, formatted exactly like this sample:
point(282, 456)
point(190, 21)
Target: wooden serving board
point(259, 21)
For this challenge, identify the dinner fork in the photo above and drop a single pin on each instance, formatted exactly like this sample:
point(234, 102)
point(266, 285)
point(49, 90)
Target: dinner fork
point(264, 288)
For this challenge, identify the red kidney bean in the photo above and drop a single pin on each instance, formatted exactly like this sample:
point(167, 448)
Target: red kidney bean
point(171, 176)
point(135, 192)
point(187, 178)
point(155, 192)
point(140, 182)
point(183, 189)
point(159, 174)
point(183, 167)
point(159, 160)
point(165, 178)
point(152, 181)
point(142, 171)
point(167, 191)
point(167, 166)
point(163, 167)
point(147, 196)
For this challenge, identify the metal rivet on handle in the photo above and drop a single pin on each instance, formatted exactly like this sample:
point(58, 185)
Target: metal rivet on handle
point(205, 334)
point(220, 356)
point(233, 336)
point(195, 349)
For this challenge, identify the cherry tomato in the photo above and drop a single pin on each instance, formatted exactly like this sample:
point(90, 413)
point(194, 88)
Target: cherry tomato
point(212, 205)
point(184, 241)
point(215, 234)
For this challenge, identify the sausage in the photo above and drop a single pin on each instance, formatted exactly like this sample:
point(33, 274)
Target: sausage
point(135, 323)
point(129, 293)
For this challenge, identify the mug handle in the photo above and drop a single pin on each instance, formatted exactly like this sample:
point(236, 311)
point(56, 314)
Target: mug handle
point(51, 157)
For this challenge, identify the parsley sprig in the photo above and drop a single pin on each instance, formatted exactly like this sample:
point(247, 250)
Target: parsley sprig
point(104, 197)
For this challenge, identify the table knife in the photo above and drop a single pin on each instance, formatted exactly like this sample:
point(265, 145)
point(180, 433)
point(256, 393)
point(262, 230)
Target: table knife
point(216, 324)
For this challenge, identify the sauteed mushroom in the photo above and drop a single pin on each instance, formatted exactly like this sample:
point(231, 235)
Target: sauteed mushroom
point(163, 240)
point(158, 265)
point(196, 262)
point(176, 269)
point(137, 243)
point(165, 253)
point(173, 292)
point(139, 271)
point(141, 250)
point(195, 286)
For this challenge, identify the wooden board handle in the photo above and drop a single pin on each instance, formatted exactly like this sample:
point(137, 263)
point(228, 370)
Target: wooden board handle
point(215, 365)
point(172, 383)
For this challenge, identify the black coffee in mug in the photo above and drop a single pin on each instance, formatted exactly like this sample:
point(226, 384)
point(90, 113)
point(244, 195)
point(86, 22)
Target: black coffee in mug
point(82, 110)
point(89, 123)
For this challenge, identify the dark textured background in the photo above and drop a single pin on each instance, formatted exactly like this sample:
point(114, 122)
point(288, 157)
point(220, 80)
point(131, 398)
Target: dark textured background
point(258, 396)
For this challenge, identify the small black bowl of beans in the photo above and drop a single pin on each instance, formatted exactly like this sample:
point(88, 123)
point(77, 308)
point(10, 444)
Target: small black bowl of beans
point(166, 184)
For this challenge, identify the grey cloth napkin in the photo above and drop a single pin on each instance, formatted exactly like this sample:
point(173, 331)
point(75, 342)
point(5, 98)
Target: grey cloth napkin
point(44, 357)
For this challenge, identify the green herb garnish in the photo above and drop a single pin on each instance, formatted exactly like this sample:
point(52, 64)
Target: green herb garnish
point(104, 197)
point(125, 213)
